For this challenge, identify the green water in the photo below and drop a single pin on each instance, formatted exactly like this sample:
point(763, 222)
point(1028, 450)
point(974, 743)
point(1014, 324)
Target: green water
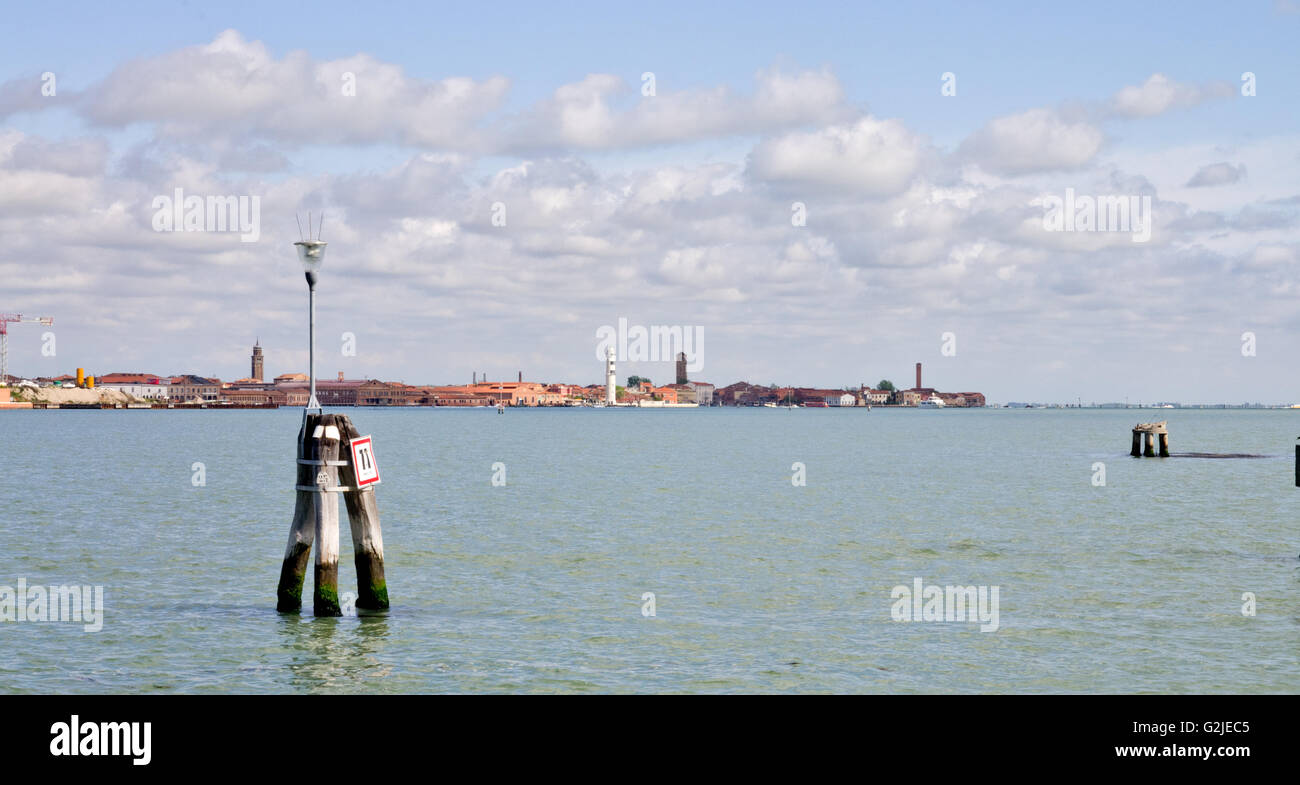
point(760, 585)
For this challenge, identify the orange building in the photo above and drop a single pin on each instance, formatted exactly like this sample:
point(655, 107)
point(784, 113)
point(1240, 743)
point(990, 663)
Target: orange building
point(665, 394)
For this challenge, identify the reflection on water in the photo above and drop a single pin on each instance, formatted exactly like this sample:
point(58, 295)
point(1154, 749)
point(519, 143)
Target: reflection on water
point(333, 654)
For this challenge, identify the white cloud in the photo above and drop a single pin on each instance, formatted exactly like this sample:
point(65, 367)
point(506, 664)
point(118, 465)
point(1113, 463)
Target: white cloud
point(1159, 94)
point(1033, 141)
point(85, 156)
point(1217, 174)
point(602, 111)
point(234, 90)
point(871, 157)
point(233, 87)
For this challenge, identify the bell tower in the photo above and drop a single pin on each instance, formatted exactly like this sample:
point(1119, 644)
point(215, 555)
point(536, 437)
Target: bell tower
point(257, 361)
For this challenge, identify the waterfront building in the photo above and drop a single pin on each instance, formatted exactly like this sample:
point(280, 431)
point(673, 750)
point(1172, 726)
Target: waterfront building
point(667, 394)
point(139, 385)
point(685, 393)
point(295, 393)
point(456, 395)
point(703, 392)
point(253, 395)
point(339, 392)
point(875, 397)
point(915, 395)
point(189, 388)
point(517, 393)
point(746, 394)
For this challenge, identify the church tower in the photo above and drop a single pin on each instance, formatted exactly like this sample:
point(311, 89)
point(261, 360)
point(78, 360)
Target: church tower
point(257, 361)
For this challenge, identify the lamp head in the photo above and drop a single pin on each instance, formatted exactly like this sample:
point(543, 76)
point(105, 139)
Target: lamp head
point(312, 254)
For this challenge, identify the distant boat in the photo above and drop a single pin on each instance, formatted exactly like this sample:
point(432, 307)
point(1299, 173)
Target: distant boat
point(933, 402)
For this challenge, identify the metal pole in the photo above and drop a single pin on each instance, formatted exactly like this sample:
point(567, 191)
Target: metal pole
point(312, 403)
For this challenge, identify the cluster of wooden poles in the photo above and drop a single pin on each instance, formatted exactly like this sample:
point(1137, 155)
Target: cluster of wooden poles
point(1149, 431)
point(324, 473)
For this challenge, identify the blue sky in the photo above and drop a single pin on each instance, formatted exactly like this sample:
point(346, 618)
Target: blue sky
point(680, 224)
point(1009, 55)
point(889, 55)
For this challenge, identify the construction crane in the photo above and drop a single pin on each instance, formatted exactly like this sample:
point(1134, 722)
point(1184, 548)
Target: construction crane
point(16, 318)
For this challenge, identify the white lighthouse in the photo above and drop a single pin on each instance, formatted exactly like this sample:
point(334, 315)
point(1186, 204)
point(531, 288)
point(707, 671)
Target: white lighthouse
point(609, 375)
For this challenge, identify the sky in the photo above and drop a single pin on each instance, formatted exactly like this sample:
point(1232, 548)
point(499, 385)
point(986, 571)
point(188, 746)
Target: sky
point(825, 193)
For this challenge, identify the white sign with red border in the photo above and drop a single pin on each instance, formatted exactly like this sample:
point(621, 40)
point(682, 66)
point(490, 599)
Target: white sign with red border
point(363, 462)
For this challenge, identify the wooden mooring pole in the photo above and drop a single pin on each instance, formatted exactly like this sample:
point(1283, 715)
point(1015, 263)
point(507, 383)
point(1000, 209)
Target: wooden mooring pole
point(325, 597)
point(367, 540)
point(302, 531)
point(324, 471)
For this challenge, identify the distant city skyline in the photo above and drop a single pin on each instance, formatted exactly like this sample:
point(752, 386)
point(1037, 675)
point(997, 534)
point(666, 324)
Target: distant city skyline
point(829, 193)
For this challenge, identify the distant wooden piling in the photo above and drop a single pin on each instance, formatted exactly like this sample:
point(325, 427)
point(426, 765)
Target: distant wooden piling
point(325, 471)
point(1144, 435)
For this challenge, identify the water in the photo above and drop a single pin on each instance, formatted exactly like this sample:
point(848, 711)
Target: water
point(759, 585)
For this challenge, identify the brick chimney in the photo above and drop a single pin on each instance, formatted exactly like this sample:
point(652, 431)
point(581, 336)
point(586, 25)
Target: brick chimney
point(918, 376)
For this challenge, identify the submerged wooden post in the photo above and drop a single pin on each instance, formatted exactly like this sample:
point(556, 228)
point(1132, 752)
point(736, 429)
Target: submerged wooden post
point(1150, 450)
point(1136, 452)
point(367, 540)
point(1164, 444)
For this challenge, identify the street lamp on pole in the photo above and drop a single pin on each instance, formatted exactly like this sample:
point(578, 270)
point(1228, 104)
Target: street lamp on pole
point(312, 254)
